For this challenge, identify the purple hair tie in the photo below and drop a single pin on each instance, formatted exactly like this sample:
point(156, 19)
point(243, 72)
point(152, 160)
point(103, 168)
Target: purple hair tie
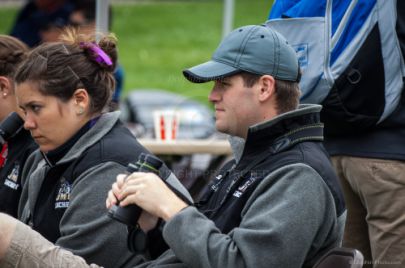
point(102, 57)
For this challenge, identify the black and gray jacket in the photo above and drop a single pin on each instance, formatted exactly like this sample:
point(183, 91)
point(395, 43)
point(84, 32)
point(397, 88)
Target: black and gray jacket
point(20, 146)
point(386, 140)
point(278, 204)
point(65, 202)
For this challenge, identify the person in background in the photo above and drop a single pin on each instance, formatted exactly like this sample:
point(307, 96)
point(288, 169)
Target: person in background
point(278, 202)
point(15, 152)
point(371, 166)
point(63, 89)
point(41, 20)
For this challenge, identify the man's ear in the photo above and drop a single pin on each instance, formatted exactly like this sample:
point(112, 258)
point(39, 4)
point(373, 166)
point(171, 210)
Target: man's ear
point(267, 85)
point(6, 87)
point(82, 99)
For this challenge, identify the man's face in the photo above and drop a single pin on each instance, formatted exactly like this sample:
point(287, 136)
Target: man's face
point(78, 20)
point(235, 106)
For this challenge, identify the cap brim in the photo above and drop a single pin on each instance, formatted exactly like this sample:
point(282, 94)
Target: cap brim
point(209, 71)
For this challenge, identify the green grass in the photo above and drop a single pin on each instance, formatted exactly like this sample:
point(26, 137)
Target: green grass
point(158, 39)
point(7, 16)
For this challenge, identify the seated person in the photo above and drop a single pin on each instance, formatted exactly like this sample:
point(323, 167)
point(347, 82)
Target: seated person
point(15, 152)
point(278, 202)
point(62, 89)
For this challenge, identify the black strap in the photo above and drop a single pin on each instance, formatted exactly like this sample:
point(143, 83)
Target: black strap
point(313, 132)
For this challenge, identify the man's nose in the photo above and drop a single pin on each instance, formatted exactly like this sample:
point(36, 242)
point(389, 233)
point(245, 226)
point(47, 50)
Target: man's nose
point(214, 95)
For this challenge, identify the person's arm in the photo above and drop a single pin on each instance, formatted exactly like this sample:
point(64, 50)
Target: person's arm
point(29, 166)
point(85, 227)
point(8, 225)
point(289, 216)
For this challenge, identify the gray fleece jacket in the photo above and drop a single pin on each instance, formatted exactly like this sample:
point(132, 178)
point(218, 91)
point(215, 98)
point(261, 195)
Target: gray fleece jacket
point(85, 229)
point(289, 221)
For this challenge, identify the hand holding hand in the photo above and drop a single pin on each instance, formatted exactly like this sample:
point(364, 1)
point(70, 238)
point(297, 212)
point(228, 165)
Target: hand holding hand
point(149, 192)
point(146, 221)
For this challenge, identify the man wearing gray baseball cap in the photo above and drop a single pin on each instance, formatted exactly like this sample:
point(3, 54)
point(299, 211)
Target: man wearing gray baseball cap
point(278, 202)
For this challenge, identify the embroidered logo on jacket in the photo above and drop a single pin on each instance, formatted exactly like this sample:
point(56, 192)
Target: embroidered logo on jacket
point(239, 192)
point(215, 184)
point(63, 196)
point(11, 180)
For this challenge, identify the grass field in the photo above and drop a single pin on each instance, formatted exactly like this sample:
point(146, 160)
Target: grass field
point(158, 39)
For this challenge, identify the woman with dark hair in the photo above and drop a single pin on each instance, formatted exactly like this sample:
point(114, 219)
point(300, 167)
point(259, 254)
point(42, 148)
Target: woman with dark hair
point(63, 89)
point(20, 145)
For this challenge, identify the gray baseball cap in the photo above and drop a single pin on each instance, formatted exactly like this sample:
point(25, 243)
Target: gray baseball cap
point(256, 49)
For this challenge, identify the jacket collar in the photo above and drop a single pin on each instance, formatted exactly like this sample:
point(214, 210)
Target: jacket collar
point(281, 131)
point(103, 125)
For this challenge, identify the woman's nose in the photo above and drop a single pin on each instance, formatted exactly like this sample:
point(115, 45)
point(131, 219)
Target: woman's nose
point(29, 123)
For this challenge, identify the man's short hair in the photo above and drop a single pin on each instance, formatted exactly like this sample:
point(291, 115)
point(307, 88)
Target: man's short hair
point(287, 96)
point(287, 92)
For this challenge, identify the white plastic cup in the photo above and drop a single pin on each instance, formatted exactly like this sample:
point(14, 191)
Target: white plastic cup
point(166, 124)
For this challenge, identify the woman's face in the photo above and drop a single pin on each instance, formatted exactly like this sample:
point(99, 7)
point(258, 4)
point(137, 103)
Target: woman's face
point(50, 121)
